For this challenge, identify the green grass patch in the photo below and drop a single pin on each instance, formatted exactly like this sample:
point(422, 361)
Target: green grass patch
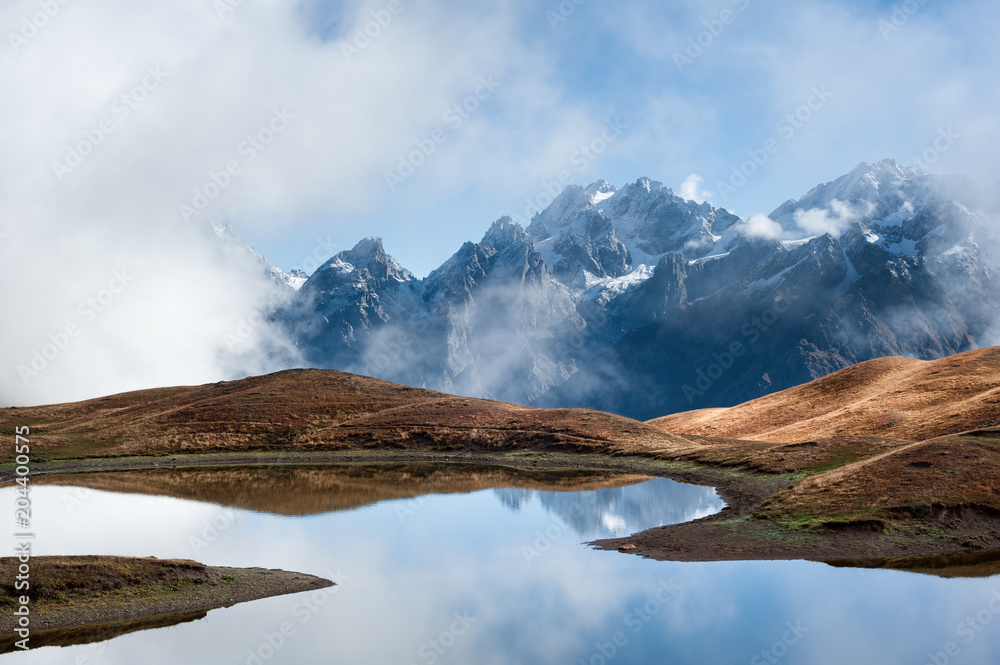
point(801, 520)
point(841, 459)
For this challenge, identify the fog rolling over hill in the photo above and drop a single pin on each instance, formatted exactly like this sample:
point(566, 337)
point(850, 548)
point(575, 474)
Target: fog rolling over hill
point(639, 302)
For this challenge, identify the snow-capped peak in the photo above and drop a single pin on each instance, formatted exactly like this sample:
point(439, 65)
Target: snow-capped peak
point(368, 255)
point(294, 278)
point(368, 248)
point(602, 190)
point(230, 241)
point(877, 191)
point(505, 231)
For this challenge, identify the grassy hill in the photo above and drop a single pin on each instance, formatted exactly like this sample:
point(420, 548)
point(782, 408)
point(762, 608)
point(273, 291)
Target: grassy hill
point(318, 410)
point(897, 398)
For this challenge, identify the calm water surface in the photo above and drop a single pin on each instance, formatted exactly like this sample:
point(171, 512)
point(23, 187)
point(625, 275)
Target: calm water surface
point(501, 576)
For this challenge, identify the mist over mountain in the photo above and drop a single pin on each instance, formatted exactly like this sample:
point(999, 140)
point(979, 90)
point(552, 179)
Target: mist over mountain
point(640, 302)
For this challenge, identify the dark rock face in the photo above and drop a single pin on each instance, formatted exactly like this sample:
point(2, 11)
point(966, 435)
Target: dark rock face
point(639, 302)
point(346, 299)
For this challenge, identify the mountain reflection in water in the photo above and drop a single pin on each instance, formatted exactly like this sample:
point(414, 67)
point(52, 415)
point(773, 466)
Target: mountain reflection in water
point(615, 512)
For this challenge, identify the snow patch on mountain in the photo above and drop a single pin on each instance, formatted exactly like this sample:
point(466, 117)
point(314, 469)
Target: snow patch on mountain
point(596, 234)
point(609, 288)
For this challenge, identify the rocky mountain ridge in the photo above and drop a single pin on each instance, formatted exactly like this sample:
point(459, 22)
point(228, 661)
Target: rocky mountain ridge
point(639, 302)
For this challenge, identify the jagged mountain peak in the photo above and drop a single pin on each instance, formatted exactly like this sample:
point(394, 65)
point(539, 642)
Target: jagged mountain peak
point(506, 248)
point(504, 232)
point(651, 195)
point(644, 184)
point(368, 256)
point(600, 232)
point(369, 247)
point(872, 190)
point(869, 181)
point(231, 243)
point(568, 204)
point(600, 190)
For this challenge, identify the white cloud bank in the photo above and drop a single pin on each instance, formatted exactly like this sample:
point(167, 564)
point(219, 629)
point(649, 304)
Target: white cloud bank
point(810, 223)
point(117, 114)
point(833, 220)
point(762, 227)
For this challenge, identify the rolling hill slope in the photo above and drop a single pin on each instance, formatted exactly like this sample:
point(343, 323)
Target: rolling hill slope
point(319, 410)
point(899, 398)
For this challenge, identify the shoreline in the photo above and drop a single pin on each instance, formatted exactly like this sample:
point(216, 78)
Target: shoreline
point(74, 603)
point(737, 533)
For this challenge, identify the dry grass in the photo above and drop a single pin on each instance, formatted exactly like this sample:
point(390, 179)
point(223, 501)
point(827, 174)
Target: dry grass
point(945, 479)
point(73, 579)
point(808, 457)
point(314, 410)
point(77, 599)
point(882, 442)
point(897, 398)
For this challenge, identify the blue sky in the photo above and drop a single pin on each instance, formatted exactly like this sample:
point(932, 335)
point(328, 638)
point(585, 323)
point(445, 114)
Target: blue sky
point(127, 126)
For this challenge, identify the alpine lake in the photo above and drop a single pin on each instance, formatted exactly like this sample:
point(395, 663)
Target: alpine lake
point(439, 564)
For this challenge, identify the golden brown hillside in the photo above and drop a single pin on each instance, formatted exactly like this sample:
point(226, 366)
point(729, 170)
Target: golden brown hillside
point(944, 480)
point(898, 398)
point(319, 410)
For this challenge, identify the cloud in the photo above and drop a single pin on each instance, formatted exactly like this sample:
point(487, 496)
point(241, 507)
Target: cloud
point(691, 189)
point(833, 220)
point(763, 227)
point(220, 89)
point(129, 127)
point(103, 310)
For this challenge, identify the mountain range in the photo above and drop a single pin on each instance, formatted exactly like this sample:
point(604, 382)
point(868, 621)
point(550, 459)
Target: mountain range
point(639, 302)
